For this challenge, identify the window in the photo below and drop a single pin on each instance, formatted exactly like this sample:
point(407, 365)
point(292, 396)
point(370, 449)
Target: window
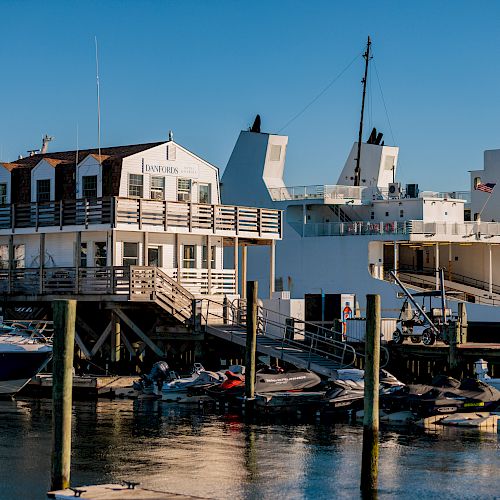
point(135, 185)
point(157, 188)
point(89, 186)
point(204, 257)
point(83, 254)
point(43, 190)
point(19, 257)
point(4, 256)
point(387, 214)
point(275, 154)
point(171, 151)
point(130, 254)
point(154, 256)
point(372, 215)
point(3, 194)
point(204, 193)
point(189, 257)
point(183, 189)
point(100, 254)
point(477, 181)
point(401, 213)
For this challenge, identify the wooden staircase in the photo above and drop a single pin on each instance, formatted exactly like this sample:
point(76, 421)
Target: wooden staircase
point(151, 284)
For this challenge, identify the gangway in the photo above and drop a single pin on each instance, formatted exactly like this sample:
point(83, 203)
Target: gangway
point(300, 343)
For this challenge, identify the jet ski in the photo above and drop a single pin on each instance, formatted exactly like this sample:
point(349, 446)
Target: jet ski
point(446, 395)
point(347, 389)
point(178, 387)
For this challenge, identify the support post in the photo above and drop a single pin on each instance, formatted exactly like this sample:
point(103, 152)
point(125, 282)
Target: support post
point(115, 338)
point(78, 251)
point(178, 257)
point(243, 271)
point(251, 340)
point(64, 314)
point(11, 261)
point(42, 261)
point(272, 267)
point(462, 315)
point(236, 267)
point(454, 339)
point(436, 265)
point(396, 257)
point(369, 461)
point(490, 288)
point(209, 265)
point(145, 244)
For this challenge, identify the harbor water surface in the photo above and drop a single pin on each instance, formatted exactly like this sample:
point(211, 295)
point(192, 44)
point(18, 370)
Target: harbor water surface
point(219, 455)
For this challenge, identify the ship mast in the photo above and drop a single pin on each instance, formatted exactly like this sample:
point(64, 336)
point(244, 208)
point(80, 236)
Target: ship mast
point(357, 170)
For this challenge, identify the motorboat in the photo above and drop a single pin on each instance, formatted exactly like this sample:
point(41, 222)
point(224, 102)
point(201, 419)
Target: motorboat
point(445, 395)
point(24, 351)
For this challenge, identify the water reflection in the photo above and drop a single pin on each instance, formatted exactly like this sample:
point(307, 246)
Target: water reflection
point(221, 455)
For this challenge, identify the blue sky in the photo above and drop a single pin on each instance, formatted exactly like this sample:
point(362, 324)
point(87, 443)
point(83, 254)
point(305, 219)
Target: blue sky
point(205, 68)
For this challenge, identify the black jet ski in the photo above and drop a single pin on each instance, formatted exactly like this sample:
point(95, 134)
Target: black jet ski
point(448, 395)
point(347, 389)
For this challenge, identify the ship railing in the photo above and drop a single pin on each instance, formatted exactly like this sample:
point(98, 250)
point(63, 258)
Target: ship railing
point(353, 228)
point(317, 192)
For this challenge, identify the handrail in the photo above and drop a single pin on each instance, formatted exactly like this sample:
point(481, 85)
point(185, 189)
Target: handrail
point(314, 343)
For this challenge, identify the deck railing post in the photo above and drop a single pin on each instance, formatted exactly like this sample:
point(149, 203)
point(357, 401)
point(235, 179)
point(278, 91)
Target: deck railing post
point(60, 214)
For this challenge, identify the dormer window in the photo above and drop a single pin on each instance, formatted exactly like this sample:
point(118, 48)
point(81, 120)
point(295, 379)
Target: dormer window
point(89, 186)
point(42, 190)
point(135, 185)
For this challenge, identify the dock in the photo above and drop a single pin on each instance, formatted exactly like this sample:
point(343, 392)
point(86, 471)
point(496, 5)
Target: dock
point(116, 491)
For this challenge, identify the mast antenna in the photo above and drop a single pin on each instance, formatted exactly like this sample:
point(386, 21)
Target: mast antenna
point(98, 101)
point(367, 57)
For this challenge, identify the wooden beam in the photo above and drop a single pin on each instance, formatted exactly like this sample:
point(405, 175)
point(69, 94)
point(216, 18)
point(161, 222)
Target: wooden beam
point(127, 344)
point(86, 328)
point(82, 346)
point(145, 244)
point(101, 340)
point(139, 332)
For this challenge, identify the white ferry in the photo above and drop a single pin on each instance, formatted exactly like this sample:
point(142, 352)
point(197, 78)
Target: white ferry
point(342, 238)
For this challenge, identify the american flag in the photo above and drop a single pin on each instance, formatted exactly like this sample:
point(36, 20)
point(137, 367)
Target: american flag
point(487, 188)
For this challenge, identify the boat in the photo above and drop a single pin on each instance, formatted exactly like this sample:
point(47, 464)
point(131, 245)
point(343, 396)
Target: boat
point(24, 351)
point(372, 224)
point(177, 388)
point(443, 396)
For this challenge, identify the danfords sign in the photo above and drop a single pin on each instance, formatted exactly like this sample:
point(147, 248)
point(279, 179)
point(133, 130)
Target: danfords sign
point(191, 171)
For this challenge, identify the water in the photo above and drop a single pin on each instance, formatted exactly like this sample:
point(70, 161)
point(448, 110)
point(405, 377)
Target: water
point(187, 450)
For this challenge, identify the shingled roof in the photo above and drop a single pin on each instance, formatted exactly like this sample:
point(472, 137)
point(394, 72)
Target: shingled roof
point(115, 152)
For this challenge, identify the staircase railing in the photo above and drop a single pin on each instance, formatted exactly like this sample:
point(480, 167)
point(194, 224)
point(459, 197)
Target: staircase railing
point(151, 283)
point(314, 339)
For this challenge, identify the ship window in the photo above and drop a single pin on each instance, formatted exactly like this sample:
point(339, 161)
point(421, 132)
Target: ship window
point(476, 216)
point(157, 188)
point(89, 186)
point(204, 257)
point(477, 181)
point(83, 254)
point(204, 193)
point(3, 193)
point(4, 256)
point(401, 213)
point(135, 185)
point(275, 154)
point(183, 189)
point(387, 214)
point(372, 215)
point(43, 190)
point(100, 254)
point(130, 254)
point(19, 257)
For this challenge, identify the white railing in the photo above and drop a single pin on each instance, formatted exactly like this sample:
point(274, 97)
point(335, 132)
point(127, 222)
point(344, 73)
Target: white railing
point(198, 281)
point(328, 193)
point(356, 228)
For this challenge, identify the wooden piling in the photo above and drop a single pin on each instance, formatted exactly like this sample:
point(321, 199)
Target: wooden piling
point(369, 461)
point(251, 340)
point(64, 315)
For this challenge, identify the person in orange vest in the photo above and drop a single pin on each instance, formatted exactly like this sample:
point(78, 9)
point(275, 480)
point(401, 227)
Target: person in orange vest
point(346, 314)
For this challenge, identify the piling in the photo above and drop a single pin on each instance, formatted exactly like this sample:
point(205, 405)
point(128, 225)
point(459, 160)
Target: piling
point(251, 340)
point(64, 315)
point(369, 461)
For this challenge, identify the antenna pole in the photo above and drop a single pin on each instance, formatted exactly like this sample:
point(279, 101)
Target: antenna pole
point(357, 170)
point(98, 101)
